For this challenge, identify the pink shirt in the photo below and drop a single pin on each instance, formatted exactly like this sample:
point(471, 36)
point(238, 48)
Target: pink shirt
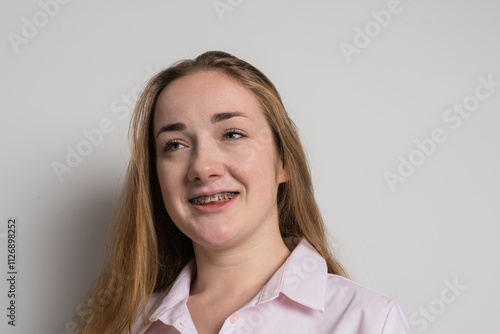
point(301, 297)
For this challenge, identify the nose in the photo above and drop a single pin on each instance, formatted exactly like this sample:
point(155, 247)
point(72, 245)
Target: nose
point(206, 163)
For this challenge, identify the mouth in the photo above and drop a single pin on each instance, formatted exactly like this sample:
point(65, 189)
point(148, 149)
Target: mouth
point(214, 199)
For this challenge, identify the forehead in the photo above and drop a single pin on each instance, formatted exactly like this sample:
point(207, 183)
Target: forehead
point(202, 94)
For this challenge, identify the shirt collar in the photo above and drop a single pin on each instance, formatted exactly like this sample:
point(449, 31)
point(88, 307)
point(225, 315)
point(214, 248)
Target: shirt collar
point(302, 278)
point(177, 296)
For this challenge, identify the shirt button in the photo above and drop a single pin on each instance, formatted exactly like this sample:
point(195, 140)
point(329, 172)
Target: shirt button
point(235, 317)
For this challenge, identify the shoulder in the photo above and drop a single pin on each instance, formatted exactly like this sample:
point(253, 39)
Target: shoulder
point(377, 312)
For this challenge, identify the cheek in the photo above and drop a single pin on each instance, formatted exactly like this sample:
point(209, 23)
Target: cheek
point(256, 168)
point(168, 179)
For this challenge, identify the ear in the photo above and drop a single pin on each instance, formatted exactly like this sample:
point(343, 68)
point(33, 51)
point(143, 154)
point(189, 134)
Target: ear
point(283, 174)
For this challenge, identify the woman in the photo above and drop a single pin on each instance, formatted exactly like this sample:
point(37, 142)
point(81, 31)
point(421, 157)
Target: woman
point(218, 229)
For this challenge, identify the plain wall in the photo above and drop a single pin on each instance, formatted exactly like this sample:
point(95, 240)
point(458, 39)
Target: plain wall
point(362, 94)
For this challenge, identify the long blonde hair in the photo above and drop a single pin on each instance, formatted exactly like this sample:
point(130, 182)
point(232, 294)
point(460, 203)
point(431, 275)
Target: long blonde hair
point(147, 251)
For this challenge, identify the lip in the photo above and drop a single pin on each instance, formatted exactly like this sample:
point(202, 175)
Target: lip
point(214, 208)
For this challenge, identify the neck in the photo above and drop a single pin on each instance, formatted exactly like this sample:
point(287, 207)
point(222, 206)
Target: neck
point(242, 269)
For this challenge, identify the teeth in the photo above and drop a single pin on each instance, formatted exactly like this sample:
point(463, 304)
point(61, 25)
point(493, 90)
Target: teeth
point(212, 198)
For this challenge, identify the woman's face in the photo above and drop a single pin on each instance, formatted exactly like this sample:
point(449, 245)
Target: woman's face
point(217, 161)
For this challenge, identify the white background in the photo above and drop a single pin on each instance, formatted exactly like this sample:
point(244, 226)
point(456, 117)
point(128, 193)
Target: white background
point(357, 115)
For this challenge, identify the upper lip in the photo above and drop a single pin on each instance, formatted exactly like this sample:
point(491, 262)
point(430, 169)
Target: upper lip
point(211, 192)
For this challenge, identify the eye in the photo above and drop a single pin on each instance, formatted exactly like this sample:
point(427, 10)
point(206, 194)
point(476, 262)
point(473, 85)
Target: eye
point(171, 145)
point(233, 134)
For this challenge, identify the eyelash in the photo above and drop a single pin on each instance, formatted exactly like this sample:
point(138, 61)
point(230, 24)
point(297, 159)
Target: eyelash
point(234, 131)
point(168, 144)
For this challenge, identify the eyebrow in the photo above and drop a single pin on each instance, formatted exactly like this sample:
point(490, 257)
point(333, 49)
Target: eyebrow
point(216, 118)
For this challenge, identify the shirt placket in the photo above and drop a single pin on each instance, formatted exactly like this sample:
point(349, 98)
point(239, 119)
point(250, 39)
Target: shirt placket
point(237, 323)
point(183, 322)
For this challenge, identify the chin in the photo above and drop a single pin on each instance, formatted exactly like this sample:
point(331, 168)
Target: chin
point(218, 239)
